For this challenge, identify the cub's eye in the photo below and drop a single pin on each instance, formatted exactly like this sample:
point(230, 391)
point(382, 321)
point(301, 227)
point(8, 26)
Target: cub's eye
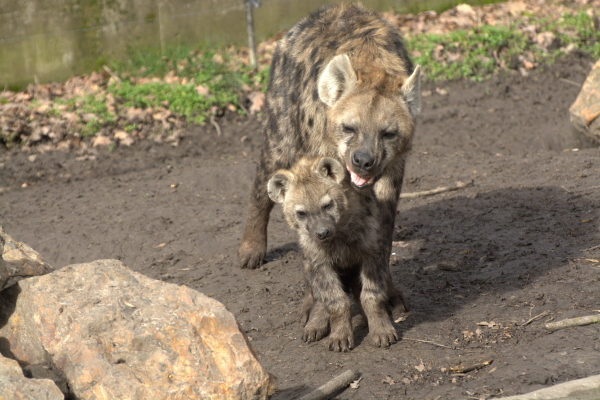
point(301, 214)
point(328, 206)
point(389, 134)
point(348, 129)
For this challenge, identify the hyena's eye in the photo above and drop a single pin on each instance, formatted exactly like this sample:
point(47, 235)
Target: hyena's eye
point(301, 214)
point(328, 206)
point(348, 129)
point(389, 134)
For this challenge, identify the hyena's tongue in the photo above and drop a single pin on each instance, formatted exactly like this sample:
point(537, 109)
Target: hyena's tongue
point(357, 180)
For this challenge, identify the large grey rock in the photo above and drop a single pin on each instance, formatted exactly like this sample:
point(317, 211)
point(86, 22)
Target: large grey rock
point(14, 385)
point(116, 334)
point(18, 261)
point(585, 111)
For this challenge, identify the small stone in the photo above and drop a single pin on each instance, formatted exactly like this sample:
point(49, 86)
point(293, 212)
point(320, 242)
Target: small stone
point(18, 261)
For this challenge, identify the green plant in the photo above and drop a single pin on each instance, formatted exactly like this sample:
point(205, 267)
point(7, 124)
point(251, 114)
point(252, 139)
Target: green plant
point(481, 52)
point(91, 128)
point(465, 53)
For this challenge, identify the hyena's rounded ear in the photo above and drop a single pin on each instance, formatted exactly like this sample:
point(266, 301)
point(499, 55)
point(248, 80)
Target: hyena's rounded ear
point(279, 184)
point(411, 91)
point(336, 79)
point(331, 168)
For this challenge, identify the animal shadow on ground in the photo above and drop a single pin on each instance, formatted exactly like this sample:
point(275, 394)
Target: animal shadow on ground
point(451, 252)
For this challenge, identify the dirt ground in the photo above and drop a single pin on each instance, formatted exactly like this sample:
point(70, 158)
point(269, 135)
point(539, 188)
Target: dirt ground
point(476, 263)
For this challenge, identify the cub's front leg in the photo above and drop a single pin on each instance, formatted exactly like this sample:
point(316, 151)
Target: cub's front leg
point(330, 300)
point(315, 319)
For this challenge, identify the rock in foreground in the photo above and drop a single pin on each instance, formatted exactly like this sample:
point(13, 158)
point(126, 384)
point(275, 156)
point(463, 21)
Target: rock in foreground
point(116, 334)
point(14, 386)
point(18, 261)
point(585, 111)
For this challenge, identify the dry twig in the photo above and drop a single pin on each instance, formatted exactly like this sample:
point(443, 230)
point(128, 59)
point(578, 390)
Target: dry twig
point(570, 322)
point(215, 124)
point(430, 342)
point(542, 315)
point(470, 367)
point(570, 82)
point(442, 189)
point(334, 385)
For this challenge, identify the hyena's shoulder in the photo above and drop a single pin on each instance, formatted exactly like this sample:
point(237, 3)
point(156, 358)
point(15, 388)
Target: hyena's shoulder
point(363, 34)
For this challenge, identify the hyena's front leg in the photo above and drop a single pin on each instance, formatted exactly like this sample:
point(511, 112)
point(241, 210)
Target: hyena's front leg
point(253, 248)
point(374, 298)
point(387, 191)
point(327, 290)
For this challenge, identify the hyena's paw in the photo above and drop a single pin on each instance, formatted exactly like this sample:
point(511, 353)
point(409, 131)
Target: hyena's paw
point(384, 336)
point(316, 323)
point(341, 339)
point(398, 303)
point(252, 253)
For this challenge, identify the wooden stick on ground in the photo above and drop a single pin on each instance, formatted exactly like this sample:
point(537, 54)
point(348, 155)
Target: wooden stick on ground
point(111, 73)
point(567, 323)
point(456, 186)
point(334, 385)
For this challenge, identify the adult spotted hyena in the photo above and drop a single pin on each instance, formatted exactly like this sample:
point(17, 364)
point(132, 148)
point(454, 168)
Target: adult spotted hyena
point(342, 86)
point(338, 229)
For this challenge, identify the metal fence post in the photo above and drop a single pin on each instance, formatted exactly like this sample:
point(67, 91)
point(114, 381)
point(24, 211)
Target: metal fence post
point(250, 27)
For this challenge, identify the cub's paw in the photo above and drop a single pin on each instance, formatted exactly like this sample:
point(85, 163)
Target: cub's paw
point(313, 334)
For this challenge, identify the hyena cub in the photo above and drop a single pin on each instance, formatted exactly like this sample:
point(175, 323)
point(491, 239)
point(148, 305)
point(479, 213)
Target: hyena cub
point(344, 253)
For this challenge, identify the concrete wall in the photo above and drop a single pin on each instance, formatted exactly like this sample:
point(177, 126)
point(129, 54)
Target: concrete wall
point(48, 40)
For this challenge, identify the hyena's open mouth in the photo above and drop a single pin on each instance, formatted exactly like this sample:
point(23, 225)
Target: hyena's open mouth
point(360, 181)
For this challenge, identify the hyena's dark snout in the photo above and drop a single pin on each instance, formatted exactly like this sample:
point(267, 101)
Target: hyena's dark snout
point(363, 159)
point(323, 232)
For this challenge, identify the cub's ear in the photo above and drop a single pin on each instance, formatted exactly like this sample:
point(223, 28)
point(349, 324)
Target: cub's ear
point(279, 184)
point(331, 168)
point(337, 78)
point(411, 91)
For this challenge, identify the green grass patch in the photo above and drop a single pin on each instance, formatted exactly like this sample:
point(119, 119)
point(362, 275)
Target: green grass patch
point(181, 99)
point(477, 54)
point(219, 70)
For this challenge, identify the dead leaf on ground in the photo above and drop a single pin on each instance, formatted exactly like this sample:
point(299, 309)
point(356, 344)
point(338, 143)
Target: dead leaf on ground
point(355, 384)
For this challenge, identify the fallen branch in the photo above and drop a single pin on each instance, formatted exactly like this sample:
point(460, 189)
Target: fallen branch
point(586, 388)
point(456, 186)
point(333, 386)
point(470, 367)
point(542, 315)
point(429, 342)
point(567, 323)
